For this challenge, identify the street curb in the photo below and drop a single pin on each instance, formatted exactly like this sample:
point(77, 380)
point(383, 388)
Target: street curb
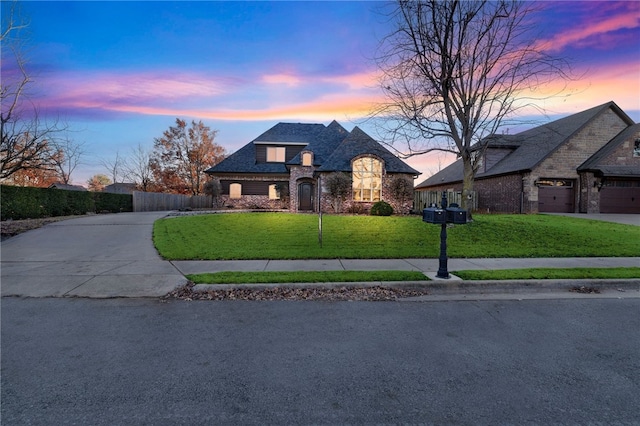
point(453, 287)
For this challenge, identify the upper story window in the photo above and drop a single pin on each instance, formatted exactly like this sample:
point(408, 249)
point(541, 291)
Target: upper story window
point(275, 154)
point(367, 179)
point(636, 148)
point(306, 158)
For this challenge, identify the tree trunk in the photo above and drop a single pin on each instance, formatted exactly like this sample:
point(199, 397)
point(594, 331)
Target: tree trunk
point(467, 185)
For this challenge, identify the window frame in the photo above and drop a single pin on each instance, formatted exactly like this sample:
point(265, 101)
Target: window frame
point(233, 194)
point(276, 154)
point(367, 184)
point(305, 156)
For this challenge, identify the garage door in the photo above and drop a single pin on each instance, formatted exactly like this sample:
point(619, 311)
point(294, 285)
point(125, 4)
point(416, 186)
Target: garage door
point(619, 200)
point(552, 199)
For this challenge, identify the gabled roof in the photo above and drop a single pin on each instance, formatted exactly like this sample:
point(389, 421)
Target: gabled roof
point(596, 163)
point(530, 147)
point(67, 187)
point(291, 132)
point(326, 142)
point(359, 143)
point(244, 159)
point(333, 149)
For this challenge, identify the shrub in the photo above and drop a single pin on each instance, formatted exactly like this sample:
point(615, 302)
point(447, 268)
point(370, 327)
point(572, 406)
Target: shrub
point(32, 203)
point(381, 208)
point(338, 186)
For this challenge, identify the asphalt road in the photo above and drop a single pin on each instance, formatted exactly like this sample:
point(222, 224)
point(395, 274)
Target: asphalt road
point(141, 361)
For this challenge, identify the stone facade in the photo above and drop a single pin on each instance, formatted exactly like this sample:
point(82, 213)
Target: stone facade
point(563, 163)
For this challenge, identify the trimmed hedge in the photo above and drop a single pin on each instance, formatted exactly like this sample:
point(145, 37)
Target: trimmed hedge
point(18, 202)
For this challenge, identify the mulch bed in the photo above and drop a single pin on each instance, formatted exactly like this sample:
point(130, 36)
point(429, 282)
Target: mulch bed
point(378, 293)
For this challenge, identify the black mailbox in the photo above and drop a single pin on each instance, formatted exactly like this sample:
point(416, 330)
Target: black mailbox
point(456, 215)
point(433, 215)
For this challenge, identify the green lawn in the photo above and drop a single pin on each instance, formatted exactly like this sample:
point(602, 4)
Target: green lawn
point(550, 273)
point(305, 277)
point(295, 236)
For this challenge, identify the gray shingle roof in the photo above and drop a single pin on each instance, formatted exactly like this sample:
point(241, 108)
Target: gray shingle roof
point(325, 143)
point(359, 143)
point(333, 148)
point(291, 132)
point(244, 159)
point(596, 163)
point(529, 147)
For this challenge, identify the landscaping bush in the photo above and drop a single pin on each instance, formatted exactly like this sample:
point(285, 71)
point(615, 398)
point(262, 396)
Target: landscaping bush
point(32, 203)
point(113, 203)
point(381, 208)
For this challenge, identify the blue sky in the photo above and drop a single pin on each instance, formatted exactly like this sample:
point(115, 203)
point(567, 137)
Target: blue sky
point(120, 72)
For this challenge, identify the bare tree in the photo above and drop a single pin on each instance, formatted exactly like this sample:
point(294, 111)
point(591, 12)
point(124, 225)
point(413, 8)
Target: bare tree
point(115, 166)
point(454, 70)
point(67, 155)
point(137, 168)
point(26, 142)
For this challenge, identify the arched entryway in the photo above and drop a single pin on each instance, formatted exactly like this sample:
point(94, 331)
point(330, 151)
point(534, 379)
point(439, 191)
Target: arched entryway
point(305, 196)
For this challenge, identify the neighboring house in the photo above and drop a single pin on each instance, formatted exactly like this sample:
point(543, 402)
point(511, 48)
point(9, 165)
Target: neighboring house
point(588, 162)
point(120, 188)
point(67, 187)
point(282, 168)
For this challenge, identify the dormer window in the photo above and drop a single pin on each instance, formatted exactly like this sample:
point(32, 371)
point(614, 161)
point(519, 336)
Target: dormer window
point(275, 154)
point(306, 159)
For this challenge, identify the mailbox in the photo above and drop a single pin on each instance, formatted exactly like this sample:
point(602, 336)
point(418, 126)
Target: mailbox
point(433, 215)
point(456, 215)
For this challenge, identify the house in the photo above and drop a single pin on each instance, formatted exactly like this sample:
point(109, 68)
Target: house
point(283, 167)
point(120, 188)
point(67, 187)
point(588, 162)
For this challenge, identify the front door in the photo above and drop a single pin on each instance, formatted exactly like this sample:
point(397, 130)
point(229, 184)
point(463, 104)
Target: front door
point(305, 196)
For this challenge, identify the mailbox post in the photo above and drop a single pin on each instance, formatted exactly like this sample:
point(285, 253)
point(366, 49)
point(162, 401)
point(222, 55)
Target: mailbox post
point(442, 216)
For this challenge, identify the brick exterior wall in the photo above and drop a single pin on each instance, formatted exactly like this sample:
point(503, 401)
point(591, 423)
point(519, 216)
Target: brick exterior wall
point(253, 201)
point(500, 194)
point(300, 174)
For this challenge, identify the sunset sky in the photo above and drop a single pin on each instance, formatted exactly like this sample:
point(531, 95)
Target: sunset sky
point(120, 72)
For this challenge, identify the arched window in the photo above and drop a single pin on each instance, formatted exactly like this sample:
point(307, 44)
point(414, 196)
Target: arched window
point(367, 179)
point(235, 190)
point(306, 159)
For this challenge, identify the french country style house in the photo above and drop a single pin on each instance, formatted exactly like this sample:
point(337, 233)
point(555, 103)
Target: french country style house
point(285, 167)
point(588, 162)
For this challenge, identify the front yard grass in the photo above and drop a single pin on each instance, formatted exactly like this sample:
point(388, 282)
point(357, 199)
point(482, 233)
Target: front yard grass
point(295, 236)
point(272, 277)
point(550, 273)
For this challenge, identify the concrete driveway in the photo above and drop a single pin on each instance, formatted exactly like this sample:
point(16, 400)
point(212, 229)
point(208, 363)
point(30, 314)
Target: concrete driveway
point(626, 219)
point(94, 256)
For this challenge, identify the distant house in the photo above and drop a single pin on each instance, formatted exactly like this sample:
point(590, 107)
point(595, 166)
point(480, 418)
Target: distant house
point(283, 167)
point(120, 188)
point(588, 162)
point(67, 187)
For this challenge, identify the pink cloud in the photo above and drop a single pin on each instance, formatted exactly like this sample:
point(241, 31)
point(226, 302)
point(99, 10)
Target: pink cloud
point(103, 89)
point(593, 33)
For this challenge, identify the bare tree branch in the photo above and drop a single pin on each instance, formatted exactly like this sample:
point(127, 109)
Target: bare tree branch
point(454, 71)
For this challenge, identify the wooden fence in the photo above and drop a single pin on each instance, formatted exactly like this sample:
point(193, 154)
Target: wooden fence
point(155, 201)
point(423, 199)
